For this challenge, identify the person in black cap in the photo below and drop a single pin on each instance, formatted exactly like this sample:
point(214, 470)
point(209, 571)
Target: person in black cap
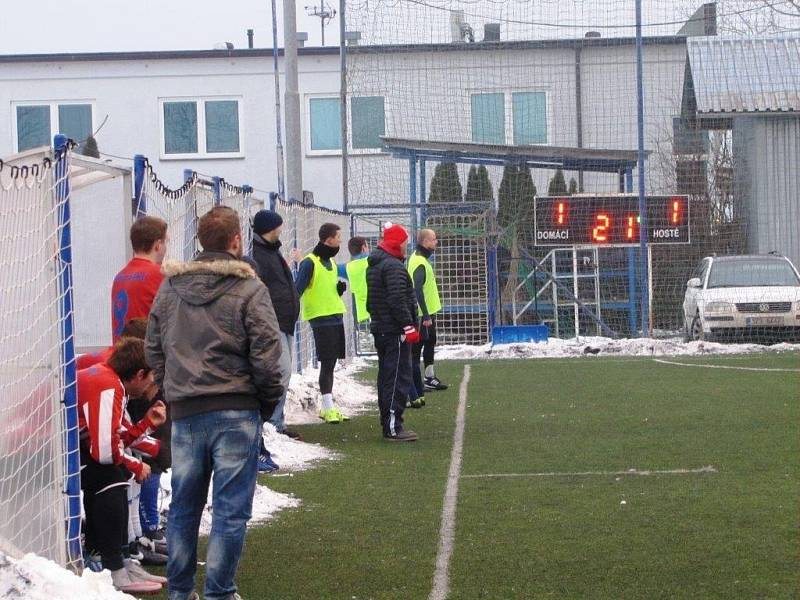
point(274, 271)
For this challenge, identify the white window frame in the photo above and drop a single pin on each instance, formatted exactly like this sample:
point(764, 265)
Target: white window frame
point(350, 150)
point(55, 125)
point(201, 153)
point(508, 109)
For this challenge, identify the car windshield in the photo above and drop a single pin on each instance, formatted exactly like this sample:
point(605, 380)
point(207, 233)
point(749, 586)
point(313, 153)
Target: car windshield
point(753, 272)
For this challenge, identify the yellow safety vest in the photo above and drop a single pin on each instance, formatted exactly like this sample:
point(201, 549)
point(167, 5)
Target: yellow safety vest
point(357, 276)
point(320, 298)
point(430, 291)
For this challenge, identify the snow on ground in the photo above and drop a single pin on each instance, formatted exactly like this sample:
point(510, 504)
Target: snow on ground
point(36, 578)
point(602, 346)
point(352, 396)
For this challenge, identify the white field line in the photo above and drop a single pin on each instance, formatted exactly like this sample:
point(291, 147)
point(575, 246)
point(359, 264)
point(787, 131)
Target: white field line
point(447, 532)
point(682, 364)
point(635, 472)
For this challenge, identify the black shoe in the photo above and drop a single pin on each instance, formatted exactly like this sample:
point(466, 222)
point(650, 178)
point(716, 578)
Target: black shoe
point(403, 436)
point(152, 558)
point(434, 384)
point(154, 540)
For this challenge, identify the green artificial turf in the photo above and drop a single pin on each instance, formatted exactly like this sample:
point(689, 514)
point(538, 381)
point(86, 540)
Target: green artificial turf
point(369, 523)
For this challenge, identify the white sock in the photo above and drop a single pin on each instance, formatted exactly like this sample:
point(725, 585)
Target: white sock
point(327, 401)
point(429, 371)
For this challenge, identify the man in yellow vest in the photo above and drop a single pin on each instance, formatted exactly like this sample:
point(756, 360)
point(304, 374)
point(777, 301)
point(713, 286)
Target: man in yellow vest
point(427, 294)
point(356, 271)
point(320, 293)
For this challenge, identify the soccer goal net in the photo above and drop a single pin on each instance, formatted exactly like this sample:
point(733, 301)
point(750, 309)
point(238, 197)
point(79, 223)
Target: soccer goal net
point(35, 355)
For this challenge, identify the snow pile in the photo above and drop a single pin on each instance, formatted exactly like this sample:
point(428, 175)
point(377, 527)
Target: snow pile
point(265, 503)
point(36, 578)
point(351, 396)
point(603, 346)
point(293, 455)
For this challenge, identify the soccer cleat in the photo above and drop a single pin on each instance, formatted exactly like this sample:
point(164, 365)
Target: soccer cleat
point(137, 573)
point(421, 400)
point(342, 416)
point(403, 436)
point(331, 415)
point(417, 403)
point(434, 384)
point(266, 464)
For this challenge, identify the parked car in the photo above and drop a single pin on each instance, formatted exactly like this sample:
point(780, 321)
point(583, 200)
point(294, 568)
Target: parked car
point(752, 298)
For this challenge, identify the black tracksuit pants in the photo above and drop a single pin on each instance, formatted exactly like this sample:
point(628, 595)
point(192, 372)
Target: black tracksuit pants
point(105, 502)
point(423, 349)
point(394, 379)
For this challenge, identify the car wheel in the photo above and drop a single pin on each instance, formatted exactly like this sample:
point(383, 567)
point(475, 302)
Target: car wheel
point(696, 330)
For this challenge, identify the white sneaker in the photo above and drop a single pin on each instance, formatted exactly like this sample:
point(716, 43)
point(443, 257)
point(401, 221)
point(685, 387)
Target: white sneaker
point(122, 581)
point(137, 573)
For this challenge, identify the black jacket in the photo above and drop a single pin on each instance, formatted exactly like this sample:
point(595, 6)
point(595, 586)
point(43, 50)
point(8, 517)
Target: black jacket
point(276, 275)
point(390, 294)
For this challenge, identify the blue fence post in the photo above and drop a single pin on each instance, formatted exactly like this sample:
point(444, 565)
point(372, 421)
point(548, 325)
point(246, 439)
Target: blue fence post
point(217, 190)
point(423, 193)
point(73, 482)
point(412, 192)
point(139, 197)
point(643, 267)
point(633, 306)
point(189, 220)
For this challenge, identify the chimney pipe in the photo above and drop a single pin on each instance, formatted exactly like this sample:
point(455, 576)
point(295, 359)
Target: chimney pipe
point(250, 38)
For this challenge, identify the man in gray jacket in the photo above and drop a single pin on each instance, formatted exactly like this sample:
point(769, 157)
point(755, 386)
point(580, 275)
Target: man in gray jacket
point(213, 344)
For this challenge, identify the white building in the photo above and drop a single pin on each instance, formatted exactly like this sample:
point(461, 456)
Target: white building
point(213, 111)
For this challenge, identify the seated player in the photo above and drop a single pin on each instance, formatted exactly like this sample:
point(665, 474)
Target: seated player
point(106, 469)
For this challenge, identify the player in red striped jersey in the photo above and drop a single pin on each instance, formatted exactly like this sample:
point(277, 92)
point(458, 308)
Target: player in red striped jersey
point(106, 469)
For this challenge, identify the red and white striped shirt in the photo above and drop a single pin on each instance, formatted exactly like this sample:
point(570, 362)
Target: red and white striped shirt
point(104, 422)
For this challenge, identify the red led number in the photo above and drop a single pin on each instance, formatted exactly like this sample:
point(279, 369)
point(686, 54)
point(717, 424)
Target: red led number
point(600, 231)
point(675, 217)
point(630, 229)
point(561, 213)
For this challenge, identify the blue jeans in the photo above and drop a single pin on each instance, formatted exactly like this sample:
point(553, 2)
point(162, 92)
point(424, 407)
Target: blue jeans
point(148, 503)
point(219, 446)
point(287, 346)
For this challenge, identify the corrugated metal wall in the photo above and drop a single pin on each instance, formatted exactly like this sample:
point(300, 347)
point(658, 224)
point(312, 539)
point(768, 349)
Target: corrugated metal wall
point(767, 165)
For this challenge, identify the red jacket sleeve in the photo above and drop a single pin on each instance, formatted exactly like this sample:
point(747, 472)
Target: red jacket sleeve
point(105, 411)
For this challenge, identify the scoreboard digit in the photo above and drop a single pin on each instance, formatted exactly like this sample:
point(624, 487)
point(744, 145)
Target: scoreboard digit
point(610, 220)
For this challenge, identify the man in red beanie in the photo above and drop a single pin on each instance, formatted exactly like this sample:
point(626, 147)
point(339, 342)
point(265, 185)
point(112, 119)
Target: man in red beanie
point(392, 306)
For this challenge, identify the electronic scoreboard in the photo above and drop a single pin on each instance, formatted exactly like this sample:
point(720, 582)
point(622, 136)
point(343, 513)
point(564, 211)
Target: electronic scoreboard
point(611, 220)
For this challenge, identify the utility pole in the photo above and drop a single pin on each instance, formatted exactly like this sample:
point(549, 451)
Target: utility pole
point(294, 152)
point(278, 134)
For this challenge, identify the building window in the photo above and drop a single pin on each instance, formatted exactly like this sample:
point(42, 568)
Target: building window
point(488, 118)
point(203, 128)
point(36, 124)
point(367, 118)
point(368, 122)
point(530, 117)
point(326, 124)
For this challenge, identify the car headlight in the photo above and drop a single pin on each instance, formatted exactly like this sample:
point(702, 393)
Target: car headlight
point(719, 307)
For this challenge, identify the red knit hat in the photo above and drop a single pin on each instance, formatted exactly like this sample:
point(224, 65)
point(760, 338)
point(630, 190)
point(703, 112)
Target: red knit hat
point(394, 239)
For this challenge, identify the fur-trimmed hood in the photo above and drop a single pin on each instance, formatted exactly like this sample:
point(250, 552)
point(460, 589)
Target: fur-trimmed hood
point(205, 279)
point(235, 268)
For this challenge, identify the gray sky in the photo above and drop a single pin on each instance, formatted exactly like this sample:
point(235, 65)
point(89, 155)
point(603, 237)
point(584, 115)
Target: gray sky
point(53, 26)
